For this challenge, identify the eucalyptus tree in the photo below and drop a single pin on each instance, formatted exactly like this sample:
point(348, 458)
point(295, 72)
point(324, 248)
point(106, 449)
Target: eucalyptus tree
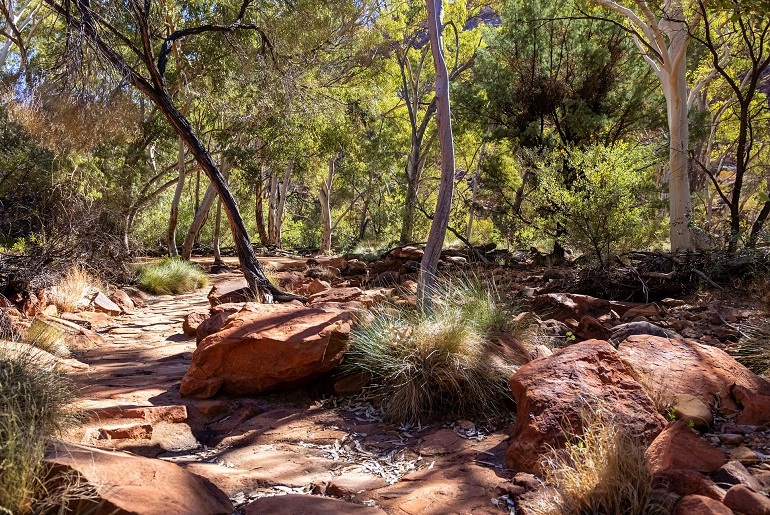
point(736, 37)
point(662, 34)
point(125, 37)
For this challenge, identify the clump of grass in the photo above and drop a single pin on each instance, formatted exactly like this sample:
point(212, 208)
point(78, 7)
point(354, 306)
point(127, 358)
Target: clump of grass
point(753, 348)
point(33, 407)
point(71, 287)
point(48, 338)
point(427, 365)
point(172, 276)
point(601, 471)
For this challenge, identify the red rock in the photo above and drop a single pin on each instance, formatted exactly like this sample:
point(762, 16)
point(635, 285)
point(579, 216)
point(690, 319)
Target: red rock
point(412, 253)
point(132, 432)
point(212, 407)
point(172, 414)
point(267, 347)
point(317, 286)
point(443, 441)
point(733, 473)
point(230, 292)
point(218, 319)
point(756, 406)
point(336, 295)
point(122, 300)
point(700, 505)
point(103, 304)
point(562, 306)
point(681, 447)
point(688, 482)
point(591, 329)
point(88, 319)
point(191, 323)
point(744, 500)
point(645, 310)
point(295, 504)
point(677, 366)
point(551, 392)
point(128, 484)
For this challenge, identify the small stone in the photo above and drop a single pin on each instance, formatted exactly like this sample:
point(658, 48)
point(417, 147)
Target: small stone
point(734, 473)
point(744, 500)
point(693, 411)
point(731, 438)
point(132, 432)
point(466, 425)
point(744, 455)
point(700, 505)
point(672, 303)
point(103, 304)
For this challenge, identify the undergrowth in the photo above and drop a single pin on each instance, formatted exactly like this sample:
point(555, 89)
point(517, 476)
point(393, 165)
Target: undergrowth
point(753, 348)
point(601, 471)
point(33, 408)
point(172, 276)
point(68, 291)
point(428, 365)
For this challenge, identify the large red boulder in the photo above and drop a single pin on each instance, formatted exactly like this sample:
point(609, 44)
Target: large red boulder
point(129, 484)
point(226, 292)
point(294, 504)
point(673, 366)
point(551, 394)
point(268, 347)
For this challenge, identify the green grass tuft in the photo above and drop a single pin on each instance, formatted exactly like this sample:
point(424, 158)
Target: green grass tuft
point(33, 407)
point(172, 276)
point(753, 348)
point(427, 366)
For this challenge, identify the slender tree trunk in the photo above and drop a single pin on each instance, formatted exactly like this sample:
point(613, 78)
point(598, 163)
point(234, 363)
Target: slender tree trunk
point(217, 234)
point(283, 187)
point(429, 263)
point(258, 209)
point(474, 193)
point(324, 196)
point(199, 220)
point(173, 218)
point(412, 183)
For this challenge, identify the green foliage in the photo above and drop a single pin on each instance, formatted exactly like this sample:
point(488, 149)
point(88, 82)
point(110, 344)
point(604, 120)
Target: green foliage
point(426, 366)
point(172, 276)
point(603, 197)
point(33, 407)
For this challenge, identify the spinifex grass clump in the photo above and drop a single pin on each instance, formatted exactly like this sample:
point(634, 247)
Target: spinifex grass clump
point(427, 365)
point(70, 289)
point(753, 348)
point(602, 471)
point(33, 407)
point(172, 276)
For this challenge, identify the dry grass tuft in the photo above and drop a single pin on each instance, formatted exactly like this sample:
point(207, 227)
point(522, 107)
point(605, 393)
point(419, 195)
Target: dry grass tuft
point(602, 471)
point(47, 338)
point(33, 407)
point(753, 348)
point(71, 288)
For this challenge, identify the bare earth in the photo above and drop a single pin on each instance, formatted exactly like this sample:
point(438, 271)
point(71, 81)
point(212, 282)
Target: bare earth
point(300, 442)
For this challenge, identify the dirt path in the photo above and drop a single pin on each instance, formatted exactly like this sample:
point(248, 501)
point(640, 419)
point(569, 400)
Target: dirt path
point(281, 443)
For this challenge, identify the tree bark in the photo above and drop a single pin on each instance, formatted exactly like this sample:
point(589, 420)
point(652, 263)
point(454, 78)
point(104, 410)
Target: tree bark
point(475, 191)
point(258, 210)
point(277, 204)
point(429, 263)
point(199, 220)
point(174, 215)
point(217, 235)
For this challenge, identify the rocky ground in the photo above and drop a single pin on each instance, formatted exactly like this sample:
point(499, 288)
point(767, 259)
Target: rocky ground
point(317, 450)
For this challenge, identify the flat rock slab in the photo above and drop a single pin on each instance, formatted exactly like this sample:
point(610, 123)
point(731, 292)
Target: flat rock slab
point(294, 504)
point(127, 484)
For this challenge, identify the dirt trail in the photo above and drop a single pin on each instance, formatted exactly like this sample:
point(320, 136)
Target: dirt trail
point(279, 443)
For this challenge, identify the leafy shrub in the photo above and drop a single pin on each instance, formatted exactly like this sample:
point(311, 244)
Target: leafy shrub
point(428, 365)
point(33, 407)
point(602, 471)
point(172, 276)
point(604, 198)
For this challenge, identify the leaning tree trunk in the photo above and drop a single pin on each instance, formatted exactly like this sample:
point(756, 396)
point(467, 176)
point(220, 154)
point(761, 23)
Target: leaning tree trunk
point(173, 218)
point(199, 220)
point(429, 263)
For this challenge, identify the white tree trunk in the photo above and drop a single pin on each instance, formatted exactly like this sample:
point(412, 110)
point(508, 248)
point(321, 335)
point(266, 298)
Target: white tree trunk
point(324, 197)
point(429, 263)
point(202, 214)
point(277, 204)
